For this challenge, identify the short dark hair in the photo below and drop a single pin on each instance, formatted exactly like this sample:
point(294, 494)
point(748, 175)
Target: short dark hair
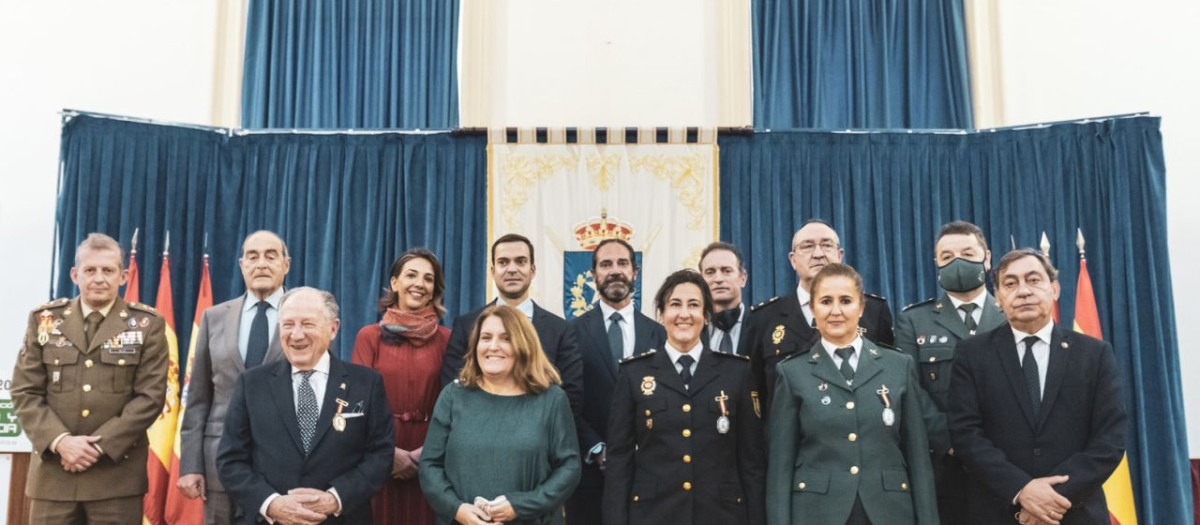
point(961, 228)
point(726, 247)
point(512, 237)
point(832, 270)
point(392, 298)
point(1022, 253)
point(684, 276)
point(632, 254)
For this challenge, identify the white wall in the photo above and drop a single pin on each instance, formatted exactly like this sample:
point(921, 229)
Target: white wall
point(144, 58)
point(1078, 58)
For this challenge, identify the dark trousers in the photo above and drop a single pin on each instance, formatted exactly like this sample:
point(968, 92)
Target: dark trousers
point(112, 511)
point(858, 515)
point(583, 507)
point(951, 479)
point(218, 508)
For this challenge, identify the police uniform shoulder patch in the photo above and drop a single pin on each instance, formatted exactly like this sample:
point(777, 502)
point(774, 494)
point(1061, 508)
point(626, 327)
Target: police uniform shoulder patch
point(144, 308)
point(930, 300)
point(727, 354)
point(764, 304)
point(635, 357)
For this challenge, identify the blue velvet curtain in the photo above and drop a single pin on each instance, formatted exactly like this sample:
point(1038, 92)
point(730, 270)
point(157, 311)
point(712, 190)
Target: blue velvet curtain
point(860, 64)
point(362, 64)
point(887, 194)
point(347, 205)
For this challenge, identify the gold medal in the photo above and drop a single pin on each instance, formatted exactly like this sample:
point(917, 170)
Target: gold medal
point(649, 423)
point(777, 335)
point(339, 423)
point(757, 406)
point(648, 385)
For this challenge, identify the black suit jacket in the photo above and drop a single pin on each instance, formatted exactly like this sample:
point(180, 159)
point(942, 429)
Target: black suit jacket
point(261, 452)
point(1080, 431)
point(782, 330)
point(599, 377)
point(746, 337)
point(558, 342)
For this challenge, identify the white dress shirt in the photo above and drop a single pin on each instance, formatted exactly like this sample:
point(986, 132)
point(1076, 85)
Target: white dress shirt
point(830, 349)
point(1041, 350)
point(715, 335)
point(249, 310)
point(676, 354)
point(627, 332)
point(977, 301)
point(805, 303)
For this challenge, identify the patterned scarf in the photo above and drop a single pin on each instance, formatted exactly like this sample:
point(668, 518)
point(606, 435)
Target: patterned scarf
point(417, 327)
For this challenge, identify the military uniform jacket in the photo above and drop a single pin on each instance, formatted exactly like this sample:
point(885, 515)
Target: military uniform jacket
point(113, 388)
point(829, 442)
point(667, 462)
point(781, 330)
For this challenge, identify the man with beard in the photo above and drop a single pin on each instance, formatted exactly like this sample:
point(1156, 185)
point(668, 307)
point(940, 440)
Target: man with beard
point(513, 270)
point(608, 334)
point(732, 328)
point(788, 325)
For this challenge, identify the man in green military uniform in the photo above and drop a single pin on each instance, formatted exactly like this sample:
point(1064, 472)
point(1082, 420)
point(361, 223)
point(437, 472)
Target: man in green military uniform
point(929, 330)
point(90, 379)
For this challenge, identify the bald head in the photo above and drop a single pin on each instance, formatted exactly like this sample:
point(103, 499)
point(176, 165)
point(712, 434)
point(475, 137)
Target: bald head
point(814, 245)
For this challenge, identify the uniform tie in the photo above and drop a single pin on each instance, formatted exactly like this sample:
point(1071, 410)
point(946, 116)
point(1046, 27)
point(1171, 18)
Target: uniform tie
point(306, 410)
point(726, 344)
point(1032, 383)
point(847, 370)
point(91, 324)
point(969, 318)
point(685, 373)
point(616, 338)
point(256, 347)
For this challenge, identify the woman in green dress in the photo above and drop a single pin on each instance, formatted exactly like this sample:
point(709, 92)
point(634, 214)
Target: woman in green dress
point(846, 439)
point(501, 446)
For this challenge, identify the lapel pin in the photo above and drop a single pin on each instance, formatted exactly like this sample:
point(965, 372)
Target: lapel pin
point(825, 400)
point(123, 314)
point(342, 386)
point(823, 386)
point(1064, 345)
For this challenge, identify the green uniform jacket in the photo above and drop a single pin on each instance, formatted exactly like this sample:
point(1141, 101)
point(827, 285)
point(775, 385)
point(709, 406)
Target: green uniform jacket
point(113, 388)
point(828, 442)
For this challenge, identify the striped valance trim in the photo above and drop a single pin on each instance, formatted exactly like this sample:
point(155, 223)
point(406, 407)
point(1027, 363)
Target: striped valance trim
point(602, 135)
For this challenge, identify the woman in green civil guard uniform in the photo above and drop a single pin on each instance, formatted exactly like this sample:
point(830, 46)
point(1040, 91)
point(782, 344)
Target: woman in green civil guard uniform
point(847, 443)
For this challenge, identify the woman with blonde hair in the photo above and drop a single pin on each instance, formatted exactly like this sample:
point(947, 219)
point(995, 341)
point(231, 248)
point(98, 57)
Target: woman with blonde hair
point(501, 446)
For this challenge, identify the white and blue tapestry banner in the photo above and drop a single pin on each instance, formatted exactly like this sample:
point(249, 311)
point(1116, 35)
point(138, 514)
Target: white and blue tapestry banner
point(568, 189)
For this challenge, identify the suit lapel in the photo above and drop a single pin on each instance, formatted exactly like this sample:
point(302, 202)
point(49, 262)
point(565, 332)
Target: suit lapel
point(642, 328)
point(72, 325)
point(992, 316)
point(706, 370)
point(1056, 371)
point(946, 315)
point(1005, 346)
point(593, 324)
point(667, 375)
point(284, 397)
point(822, 367)
point(868, 366)
point(333, 391)
point(796, 323)
point(233, 327)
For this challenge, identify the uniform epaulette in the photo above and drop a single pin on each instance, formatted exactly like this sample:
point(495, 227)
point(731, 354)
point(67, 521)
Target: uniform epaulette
point(727, 354)
point(635, 357)
point(880, 297)
point(793, 355)
point(919, 303)
point(887, 347)
point(53, 304)
point(143, 307)
point(764, 304)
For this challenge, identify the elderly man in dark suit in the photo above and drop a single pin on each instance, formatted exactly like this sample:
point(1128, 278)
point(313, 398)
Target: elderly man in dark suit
point(307, 440)
point(235, 335)
point(1036, 411)
point(608, 333)
point(513, 270)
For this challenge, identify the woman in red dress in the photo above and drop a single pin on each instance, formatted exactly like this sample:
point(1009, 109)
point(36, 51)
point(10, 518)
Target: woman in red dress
point(406, 347)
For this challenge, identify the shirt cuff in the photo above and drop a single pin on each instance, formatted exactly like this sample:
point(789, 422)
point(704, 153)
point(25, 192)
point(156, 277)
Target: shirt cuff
point(338, 512)
point(266, 504)
point(594, 453)
point(54, 444)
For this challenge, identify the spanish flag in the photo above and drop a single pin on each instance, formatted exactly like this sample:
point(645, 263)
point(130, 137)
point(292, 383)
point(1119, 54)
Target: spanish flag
point(180, 510)
point(1118, 490)
point(132, 285)
point(161, 434)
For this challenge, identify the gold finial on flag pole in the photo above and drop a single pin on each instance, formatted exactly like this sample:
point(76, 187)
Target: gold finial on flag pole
point(133, 242)
point(1045, 244)
point(1079, 243)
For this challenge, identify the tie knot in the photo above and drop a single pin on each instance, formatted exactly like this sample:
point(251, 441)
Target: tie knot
point(95, 317)
point(306, 374)
point(263, 305)
point(685, 361)
point(968, 307)
point(845, 352)
point(1030, 341)
point(616, 317)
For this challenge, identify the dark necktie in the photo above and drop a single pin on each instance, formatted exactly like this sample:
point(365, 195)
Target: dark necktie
point(256, 346)
point(616, 338)
point(847, 370)
point(1033, 383)
point(306, 410)
point(91, 324)
point(685, 373)
point(969, 319)
point(726, 344)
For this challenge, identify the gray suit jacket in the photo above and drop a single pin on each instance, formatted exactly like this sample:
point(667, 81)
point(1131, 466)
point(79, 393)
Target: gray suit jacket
point(217, 364)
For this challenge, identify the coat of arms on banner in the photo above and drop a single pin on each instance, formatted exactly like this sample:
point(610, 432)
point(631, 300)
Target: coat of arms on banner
point(580, 289)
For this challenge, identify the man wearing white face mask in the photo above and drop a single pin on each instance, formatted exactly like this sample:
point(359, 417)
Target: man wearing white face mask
point(928, 331)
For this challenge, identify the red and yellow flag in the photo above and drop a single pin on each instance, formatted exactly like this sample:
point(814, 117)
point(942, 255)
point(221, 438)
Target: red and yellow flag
point(131, 285)
point(161, 434)
point(1118, 490)
point(180, 510)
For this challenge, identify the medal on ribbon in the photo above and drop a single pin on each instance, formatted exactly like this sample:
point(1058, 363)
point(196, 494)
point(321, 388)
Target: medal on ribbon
point(889, 416)
point(45, 326)
point(723, 421)
point(339, 421)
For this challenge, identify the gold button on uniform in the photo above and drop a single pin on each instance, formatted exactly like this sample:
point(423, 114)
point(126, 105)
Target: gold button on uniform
point(88, 363)
point(56, 361)
point(87, 388)
point(647, 413)
point(85, 412)
point(932, 359)
point(687, 433)
point(687, 407)
point(854, 469)
point(687, 485)
point(635, 498)
point(850, 406)
point(904, 486)
point(852, 437)
point(687, 458)
point(802, 485)
point(121, 362)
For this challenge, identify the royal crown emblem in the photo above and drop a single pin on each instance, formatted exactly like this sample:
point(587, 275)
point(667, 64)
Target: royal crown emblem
point(597, 229)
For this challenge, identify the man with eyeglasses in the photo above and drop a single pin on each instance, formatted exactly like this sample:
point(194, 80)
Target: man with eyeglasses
point(787, 325)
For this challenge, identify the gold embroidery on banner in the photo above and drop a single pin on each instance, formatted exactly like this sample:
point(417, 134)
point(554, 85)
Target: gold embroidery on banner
point(579, 304)
point(684, 174)
point(521, 172)
point(603, 168)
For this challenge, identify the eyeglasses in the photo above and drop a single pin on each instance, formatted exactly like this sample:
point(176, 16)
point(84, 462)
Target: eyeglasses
point(809, 247)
